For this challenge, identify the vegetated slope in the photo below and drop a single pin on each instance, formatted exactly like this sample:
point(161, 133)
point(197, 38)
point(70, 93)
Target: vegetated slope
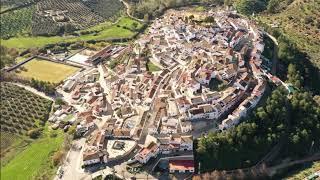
point(52, 17)
point(35, 160)
point(300, 21)
point(42, 25)
point(7, 4)
point(76, 12)
point(21, 110)
point(16, 22)
point(105, 8)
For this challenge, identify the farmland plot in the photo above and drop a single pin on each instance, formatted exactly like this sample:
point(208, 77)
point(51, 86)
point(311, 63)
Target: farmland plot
point(76, 12)
point(105, 8)
point(42, 25)
point(21, 110)
point(16, 22)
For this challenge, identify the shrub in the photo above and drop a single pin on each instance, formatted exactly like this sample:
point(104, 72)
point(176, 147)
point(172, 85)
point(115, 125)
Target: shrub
point(57, 158)
point(53, 135)
point(34, 133)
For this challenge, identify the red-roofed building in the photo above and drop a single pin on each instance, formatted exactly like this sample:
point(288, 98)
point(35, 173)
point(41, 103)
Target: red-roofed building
point(148, 152)
point(181, 166)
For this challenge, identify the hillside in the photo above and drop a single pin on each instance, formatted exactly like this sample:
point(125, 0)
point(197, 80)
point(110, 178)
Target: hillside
point(300, 22)
point(20, 111)
point(52, 17)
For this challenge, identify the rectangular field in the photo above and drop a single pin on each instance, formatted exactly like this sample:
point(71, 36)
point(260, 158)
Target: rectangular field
point(46, 70)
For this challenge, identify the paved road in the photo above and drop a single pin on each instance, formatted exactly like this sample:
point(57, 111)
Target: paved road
point(33, 90)
point(275, 53)
point(72, 165)
point(272, 170)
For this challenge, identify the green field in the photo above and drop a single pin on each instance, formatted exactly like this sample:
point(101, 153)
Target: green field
point(102, 31)
point(47, 71)
point(35, 160)
point(152, 67)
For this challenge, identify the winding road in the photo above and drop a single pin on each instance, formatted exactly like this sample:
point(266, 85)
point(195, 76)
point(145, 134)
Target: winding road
point(128, 11)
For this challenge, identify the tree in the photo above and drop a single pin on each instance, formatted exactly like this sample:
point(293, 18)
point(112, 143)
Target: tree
point(294, 76)
point(209, 19)
point(59, 102)
point(134, 25)
point(250, 6)
point(34, 133)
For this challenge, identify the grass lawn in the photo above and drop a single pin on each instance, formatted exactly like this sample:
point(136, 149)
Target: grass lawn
point(105, 30)
point(35, 160)
point(152, 67)
point(47, 70)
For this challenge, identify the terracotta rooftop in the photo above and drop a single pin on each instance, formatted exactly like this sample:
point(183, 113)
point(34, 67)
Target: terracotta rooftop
point(181, 164)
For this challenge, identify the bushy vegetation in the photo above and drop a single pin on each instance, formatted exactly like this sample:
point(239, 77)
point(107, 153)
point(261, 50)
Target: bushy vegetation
point(43, 86)
point(7, 56)
point(22, 110)
point(299, 22)
point(245, 144)
point(16, 22)
point(250, 6)
point(306, 73)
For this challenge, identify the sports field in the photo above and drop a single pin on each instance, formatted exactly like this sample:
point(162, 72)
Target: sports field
point(46, 70)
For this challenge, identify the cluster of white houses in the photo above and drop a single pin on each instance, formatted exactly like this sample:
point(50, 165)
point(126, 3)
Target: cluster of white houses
point(164, 145)
point(204, 54)
point(204, 75)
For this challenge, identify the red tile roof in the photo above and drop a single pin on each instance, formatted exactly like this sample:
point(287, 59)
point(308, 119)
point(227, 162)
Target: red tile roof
point(181, 164)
